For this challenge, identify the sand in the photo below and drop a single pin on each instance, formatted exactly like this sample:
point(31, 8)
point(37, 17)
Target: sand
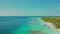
point(50, 25)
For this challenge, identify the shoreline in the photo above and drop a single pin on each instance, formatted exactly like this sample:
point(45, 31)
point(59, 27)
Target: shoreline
point(50, 25)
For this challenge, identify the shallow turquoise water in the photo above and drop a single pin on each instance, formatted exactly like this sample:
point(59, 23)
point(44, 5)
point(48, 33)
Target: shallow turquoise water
point(35, 24)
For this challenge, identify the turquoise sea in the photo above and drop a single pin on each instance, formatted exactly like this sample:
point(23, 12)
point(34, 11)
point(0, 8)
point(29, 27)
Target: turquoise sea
point(23, 25)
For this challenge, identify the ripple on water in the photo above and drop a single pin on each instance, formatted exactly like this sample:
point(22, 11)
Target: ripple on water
point(34, 26)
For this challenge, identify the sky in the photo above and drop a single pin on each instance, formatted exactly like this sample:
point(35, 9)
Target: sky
point(29, 7)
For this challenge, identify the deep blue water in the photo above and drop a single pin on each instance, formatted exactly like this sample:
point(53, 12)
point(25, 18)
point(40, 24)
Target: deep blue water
point(9, 23)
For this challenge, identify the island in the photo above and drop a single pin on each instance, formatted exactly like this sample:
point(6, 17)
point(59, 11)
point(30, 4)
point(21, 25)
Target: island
point(55, 20)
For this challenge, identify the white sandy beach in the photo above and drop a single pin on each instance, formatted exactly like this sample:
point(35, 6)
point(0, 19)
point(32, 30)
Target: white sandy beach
point(51, 26)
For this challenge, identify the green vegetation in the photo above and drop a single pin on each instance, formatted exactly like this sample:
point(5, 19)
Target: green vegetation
point(55, 20)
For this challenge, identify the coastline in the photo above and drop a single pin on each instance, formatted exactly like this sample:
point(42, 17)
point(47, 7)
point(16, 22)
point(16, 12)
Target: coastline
point(51, 26)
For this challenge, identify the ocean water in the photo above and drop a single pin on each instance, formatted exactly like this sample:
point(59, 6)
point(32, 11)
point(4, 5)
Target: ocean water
point(23, 25)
